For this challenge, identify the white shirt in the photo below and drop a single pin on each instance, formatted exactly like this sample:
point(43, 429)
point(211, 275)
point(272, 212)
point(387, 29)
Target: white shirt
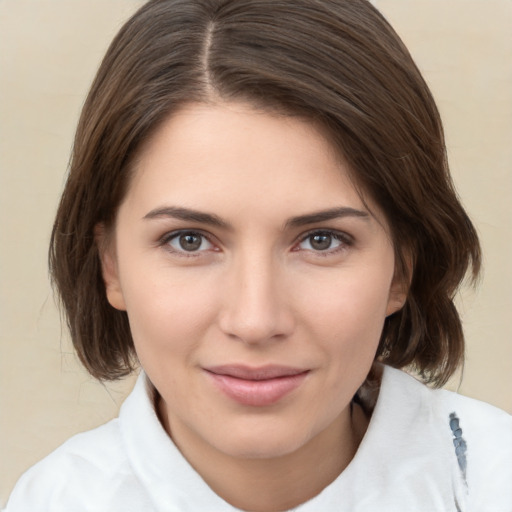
point(405, 462)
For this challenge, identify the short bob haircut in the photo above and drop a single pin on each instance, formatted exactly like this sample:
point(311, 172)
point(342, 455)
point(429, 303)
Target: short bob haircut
point(336, 63)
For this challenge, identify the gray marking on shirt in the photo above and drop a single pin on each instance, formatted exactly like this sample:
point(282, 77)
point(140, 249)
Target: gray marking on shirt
point(459, 443)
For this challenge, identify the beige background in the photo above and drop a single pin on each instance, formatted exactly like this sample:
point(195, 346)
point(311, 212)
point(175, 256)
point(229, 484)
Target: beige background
point(49, 50)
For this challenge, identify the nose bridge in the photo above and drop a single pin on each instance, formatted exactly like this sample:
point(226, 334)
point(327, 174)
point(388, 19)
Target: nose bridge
point(255, 306)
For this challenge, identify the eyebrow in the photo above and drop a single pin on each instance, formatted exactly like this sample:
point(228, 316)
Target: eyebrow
point(187, 214)
point(211, 219)
point(324, 215)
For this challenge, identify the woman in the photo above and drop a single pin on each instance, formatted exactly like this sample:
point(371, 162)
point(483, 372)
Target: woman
point(259, 213)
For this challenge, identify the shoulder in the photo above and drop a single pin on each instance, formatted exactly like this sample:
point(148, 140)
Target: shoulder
point(479, 434)
point(475, 416)
point(483, 433)
point(93, 471)
point(478, 418)
point(84, 470)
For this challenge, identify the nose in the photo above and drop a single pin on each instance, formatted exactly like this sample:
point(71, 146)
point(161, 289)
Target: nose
point(256, 308)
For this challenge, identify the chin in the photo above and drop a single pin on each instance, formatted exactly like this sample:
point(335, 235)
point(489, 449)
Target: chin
point(259, 450)
point(261, 442)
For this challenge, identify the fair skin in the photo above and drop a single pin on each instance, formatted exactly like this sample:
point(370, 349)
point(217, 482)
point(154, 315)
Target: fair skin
point(256, 283)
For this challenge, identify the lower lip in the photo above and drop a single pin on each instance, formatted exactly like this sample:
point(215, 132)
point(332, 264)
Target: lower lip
point(257, 393)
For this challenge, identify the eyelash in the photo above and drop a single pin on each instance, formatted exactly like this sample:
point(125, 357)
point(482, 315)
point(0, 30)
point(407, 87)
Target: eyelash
point(344, 239)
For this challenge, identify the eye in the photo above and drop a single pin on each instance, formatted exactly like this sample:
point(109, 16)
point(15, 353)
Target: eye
point(324, 241)
point(188, 242)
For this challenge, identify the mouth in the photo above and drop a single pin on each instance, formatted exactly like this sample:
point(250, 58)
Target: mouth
point(257, 387)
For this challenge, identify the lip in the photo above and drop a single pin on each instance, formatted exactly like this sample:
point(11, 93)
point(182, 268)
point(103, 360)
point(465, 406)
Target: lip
point(256, 386)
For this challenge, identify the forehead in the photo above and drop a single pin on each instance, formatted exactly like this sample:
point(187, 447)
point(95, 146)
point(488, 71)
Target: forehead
point(216, 156)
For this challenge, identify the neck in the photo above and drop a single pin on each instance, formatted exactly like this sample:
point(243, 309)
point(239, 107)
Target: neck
point(278, 483)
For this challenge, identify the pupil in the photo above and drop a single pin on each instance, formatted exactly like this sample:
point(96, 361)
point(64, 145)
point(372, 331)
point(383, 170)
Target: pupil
point(321, 242)
point(190, 242)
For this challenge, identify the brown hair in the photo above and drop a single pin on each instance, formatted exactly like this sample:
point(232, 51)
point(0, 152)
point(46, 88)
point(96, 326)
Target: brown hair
point(334, 62)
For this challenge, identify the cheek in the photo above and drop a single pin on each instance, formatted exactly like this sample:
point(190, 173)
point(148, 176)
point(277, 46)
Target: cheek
point(348, 310)
point(168, 311)
point(347, 323)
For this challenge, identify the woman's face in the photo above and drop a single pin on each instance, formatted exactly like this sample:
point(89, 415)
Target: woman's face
point(255, 280)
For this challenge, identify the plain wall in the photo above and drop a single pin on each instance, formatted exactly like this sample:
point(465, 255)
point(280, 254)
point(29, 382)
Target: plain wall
point(49, 51)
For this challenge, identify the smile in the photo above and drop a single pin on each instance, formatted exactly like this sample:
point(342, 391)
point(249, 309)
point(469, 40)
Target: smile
point(257, 387)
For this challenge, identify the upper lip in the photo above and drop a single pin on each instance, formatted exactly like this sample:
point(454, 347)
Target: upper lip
point(255, 373)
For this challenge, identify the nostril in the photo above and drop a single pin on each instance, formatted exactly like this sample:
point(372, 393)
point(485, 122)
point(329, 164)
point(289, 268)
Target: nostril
point(257, 325)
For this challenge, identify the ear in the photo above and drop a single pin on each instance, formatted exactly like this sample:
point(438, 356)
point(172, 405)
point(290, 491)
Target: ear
point(400, 285)
point(397, 297)
point(109, 267)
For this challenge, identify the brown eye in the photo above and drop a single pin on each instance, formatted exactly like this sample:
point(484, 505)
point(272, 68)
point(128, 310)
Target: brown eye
point(324, 241)
point(188, 241)
point(321, 241)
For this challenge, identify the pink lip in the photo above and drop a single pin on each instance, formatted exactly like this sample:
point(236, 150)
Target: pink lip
point(256, 386)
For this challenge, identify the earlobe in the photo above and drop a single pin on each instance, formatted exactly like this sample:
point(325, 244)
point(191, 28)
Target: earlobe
point(109, 268)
